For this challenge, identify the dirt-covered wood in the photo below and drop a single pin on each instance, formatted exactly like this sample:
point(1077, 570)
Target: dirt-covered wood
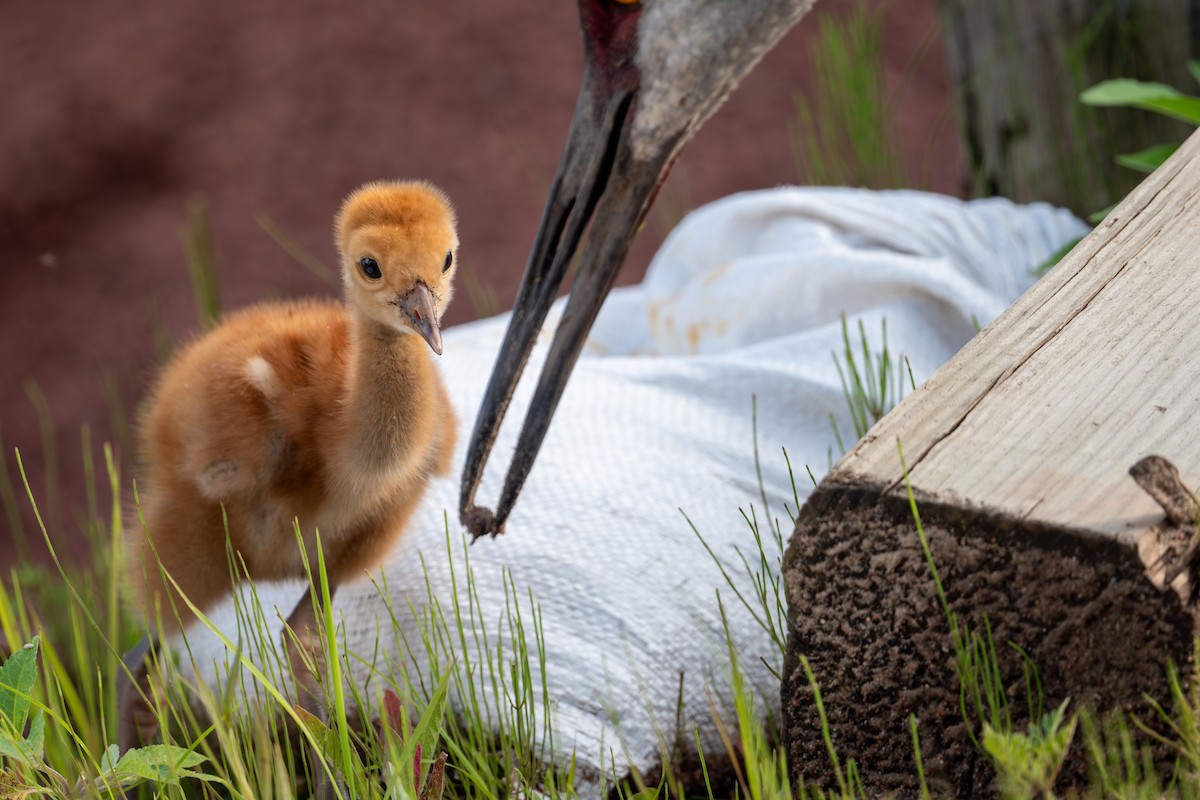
point(865, 612)
point(1020, 451)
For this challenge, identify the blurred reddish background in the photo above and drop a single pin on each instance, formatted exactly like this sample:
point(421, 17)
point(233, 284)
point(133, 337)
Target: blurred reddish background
point(115, 119)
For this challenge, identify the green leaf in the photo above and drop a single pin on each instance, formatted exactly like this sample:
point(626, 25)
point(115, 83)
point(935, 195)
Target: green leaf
point(27, 751)
point(163, 763)
point(1149, 159)
point(649, 793)
point(1027, 764)
point(36, 741)
point(329, 744)
point(1096, 217)
point(326, 739)
point(436, 782)
point(1156, 97)
point(17, 678)
point(1127, 92)
point(110, 758)
point(1194, 68)
point(111, 784)
point(12, 746)
point(425, 734)
point(1057, 256)
point(1184, 108)
point(426, 730)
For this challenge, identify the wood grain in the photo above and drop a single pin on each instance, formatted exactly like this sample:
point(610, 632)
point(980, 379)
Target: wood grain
point(1042, 414)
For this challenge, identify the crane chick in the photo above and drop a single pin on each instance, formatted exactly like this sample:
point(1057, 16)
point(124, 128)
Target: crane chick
point(332, 414)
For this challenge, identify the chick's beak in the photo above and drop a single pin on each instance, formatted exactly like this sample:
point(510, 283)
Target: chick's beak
point(418, 308)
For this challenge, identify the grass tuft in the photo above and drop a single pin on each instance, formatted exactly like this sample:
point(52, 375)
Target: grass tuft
point(198, 251)
point(841, 134)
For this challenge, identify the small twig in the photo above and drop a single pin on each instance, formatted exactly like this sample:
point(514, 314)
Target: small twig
point(1159, 478)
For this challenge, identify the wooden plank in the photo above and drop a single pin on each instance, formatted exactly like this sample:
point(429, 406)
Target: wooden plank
point(1019, 450)
point(1042, 414)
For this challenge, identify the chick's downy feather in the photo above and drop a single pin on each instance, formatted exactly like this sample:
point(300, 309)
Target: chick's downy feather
point(331, 414)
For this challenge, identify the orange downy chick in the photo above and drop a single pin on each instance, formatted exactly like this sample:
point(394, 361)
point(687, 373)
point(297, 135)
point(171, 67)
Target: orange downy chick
point(329, 413)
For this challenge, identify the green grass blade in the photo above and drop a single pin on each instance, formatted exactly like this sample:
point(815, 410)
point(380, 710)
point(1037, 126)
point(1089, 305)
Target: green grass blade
point(1149, 159)
point(198, 253)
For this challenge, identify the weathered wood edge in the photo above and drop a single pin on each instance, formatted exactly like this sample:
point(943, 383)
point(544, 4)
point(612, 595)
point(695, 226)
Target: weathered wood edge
point(931, 413)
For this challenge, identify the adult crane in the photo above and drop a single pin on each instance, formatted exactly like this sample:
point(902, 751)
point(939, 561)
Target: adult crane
point(655, 70)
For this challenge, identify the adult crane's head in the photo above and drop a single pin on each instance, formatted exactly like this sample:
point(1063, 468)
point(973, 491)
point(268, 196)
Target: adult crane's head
point(655, 71)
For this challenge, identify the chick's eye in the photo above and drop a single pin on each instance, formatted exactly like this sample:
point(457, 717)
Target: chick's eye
point(370, 268)
point(449, 261)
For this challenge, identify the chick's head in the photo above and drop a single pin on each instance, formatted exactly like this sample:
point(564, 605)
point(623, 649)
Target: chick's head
point(399, 252)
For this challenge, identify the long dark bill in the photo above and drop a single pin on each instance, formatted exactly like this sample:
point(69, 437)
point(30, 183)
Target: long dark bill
point(597, 173)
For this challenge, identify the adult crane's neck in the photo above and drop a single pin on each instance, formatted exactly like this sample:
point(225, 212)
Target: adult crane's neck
point(387, 389)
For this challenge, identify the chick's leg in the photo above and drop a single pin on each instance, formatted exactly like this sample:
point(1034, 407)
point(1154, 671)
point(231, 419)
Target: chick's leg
point(136, 723)
point(300, 638)
point(182, 559)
